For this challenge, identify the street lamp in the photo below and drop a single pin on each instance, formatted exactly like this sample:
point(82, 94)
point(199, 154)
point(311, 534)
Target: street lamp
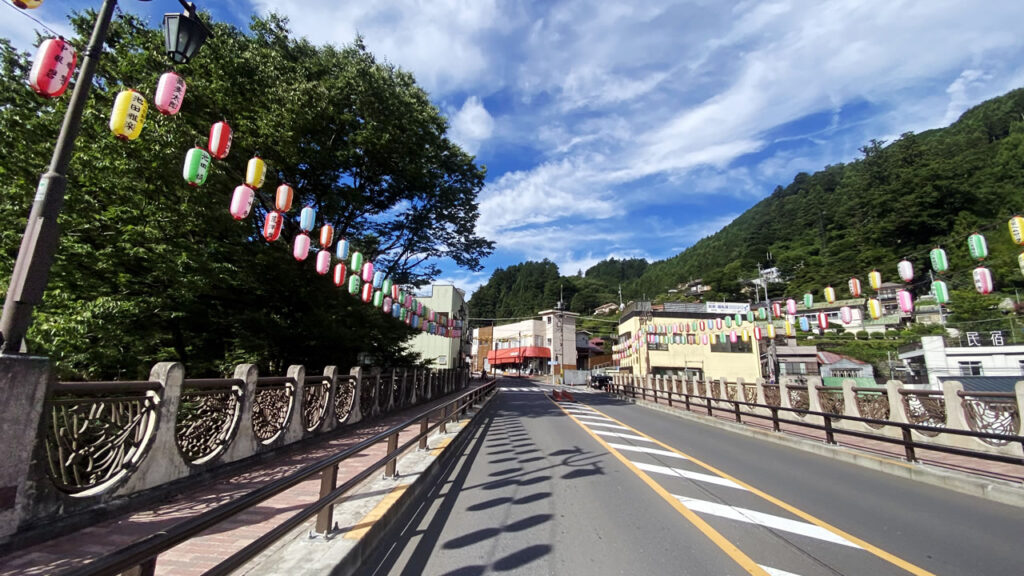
point(39, 243)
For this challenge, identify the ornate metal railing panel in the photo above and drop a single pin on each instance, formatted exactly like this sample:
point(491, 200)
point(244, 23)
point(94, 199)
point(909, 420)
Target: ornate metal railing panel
point(208, 418)
point(832, 401)
point(344, 398)
point(701, 390)
point(926, 408)
point(271, 406)
point(750, 393)
point(97, 433)
point(366, 392)
point(799, 398)
point(773, 395)
point(991, 413)
point(316, 393)
point(874, 405)
point(732, 390)
point(716, 389)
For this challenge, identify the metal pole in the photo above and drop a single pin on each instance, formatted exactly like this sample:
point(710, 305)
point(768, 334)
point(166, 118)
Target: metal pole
point(39, 243)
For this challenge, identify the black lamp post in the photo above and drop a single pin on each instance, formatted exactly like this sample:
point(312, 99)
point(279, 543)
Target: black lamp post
point(39, 243)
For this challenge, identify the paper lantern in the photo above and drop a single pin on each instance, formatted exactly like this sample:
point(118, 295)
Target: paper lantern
point(219, 143)
point(733, 337)
point(758, 334)
point(745, 336)
point(323, 262)
point(341, 249)
point(704, 339)
point(52, 69)
point(255, 172)
point(326, 235)
point(905, 300)
point(1020, 262)
point(307, 218)
point(808, 300)
point(396, 310)
point(431, 316)
point(875, 279)
point(367, 292)
point(703, 326)
point(718, 323)
point(750, 315)
point(854, 285)
point(272, 226)
point(339, 273)
point(367, 273)
point(789, 327)
point(770, 331)
point(977, 246)
point(170, 92)
point(1016, 225)
point(241, 201)
point(846, 314)
point(197, 166)
point(300, 248)
point(982, 280)
point(776, 310)
point(728, 321)
point(387, 286)
point(940, 291)
point(28, 4)
point(354, 283)
point(762, 313)
point(128, 115)
point(822, 320)
point(378, 279)
point(395, 292)
point(830, 294)
point(874, 308)
point(906, 270)
point(737, 319)
point(939, 261)
point(790, 306)
point(387, 303)
point(283, 198)
point(356, 263)
point(805, 324)
point(378, 298)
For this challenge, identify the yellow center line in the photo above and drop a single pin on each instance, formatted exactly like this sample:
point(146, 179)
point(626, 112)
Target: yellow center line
point(716, 537)
point(892, 559)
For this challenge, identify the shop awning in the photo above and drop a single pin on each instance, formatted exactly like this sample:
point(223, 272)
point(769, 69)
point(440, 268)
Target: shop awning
point(517, 355)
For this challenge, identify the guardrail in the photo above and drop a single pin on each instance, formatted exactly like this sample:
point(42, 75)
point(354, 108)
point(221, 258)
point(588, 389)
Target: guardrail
point(987, 425)
point(141, 557)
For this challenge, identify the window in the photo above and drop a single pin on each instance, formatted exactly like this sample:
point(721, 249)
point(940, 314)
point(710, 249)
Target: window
point(727, 346)
point(792, 368)
point(847, 373)
point(971, 368)
point(658, 347)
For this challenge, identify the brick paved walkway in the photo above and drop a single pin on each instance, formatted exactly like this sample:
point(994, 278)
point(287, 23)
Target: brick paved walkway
point(194, 556)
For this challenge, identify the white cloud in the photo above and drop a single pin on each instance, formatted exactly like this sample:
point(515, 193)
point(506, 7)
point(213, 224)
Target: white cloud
point(471, 125)
point(21, 31)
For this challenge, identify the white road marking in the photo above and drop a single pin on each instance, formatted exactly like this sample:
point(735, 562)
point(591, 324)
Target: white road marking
point(621, 435)
point(606, 425)
point(588, 417)
point(646, 450)
point(762, 519)
point(709, 478)
point(776, 572)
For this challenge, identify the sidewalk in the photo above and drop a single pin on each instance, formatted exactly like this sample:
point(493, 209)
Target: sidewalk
point(193, 557)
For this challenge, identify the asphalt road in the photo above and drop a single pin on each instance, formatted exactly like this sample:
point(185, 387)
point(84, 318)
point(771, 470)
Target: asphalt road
point(606, 487)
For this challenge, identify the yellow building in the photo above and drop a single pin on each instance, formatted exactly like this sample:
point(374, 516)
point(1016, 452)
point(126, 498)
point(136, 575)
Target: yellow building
point(688, 339)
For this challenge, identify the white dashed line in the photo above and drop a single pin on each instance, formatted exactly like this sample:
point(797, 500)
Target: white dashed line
point(762, 519)
point(709, 478)
point(621, 435)
point(606, 425)
point(646, 450)
point(776, 572)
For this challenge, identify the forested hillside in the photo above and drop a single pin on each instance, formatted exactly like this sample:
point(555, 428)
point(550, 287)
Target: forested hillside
point(898, 200)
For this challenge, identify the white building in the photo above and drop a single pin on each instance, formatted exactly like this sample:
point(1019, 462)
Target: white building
point(530, 345)
point(977, 354)
point(442, 351)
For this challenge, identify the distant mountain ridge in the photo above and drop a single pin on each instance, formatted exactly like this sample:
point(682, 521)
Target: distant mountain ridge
point(897, 201)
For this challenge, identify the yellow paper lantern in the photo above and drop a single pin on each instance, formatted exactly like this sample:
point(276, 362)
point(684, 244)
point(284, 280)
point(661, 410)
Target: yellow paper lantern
point(129, 115)
point(255, 172)
point(875, 279)
point(28, 4)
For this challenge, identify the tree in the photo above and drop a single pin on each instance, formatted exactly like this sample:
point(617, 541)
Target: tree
point(151, 269)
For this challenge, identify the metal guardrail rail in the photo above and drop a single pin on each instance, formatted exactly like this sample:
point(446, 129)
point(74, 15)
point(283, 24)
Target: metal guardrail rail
point(907, 442)
point(139, 559)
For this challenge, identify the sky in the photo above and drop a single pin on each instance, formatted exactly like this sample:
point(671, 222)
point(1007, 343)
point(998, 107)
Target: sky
point(634, 129)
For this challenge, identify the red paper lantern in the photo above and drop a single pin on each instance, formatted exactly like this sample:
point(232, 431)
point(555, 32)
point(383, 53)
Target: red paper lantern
point(272, 226)
point(285, 194)
point(54, 64)
point(220, 140)
point(339, 274)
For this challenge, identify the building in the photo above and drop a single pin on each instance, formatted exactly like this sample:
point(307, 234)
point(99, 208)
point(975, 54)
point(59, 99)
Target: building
point(794, 362)
point(605, 309)
point(442, 351)
point(980, 360)
point(835, 368)
point(681, 353)
point(529, 346)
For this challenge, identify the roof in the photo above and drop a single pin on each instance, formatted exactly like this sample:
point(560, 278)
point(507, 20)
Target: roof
point(857, 380)
point(985, 383)
point(831, 358)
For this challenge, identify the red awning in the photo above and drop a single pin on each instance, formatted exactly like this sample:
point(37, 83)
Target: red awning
point(517, 355)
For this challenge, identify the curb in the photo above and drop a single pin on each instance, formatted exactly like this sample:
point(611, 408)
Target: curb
point(996, 490)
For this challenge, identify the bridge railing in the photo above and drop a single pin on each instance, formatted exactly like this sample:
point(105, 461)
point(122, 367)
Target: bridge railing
point(100, 443)
point(984, 425)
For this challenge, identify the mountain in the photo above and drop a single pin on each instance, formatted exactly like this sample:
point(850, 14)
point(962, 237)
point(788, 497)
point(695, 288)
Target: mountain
point(898, 200)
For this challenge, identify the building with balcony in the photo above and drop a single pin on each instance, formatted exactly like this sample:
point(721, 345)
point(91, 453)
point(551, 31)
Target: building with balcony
point(442, 351)
point(982, 361)
point(528, 347)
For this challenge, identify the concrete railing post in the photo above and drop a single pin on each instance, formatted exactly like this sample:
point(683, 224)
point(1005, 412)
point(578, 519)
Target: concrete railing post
point(162, 461)
point(245, 443)
point(356, 415)
point(294, 429)
point(330, 421)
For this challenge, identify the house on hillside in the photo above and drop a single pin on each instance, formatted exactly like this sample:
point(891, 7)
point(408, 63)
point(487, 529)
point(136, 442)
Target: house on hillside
point(605, 309)
point(840, 367)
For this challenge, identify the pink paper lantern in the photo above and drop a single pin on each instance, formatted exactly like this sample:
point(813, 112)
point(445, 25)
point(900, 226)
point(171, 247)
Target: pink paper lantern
point(846, 314)
point(52, 69)
point(791, 307)
point(170, 92)
point(905, 301)
point(300, 248)
point(323, 262)
point(982, 280)
point(368, 273)
point(241, 201)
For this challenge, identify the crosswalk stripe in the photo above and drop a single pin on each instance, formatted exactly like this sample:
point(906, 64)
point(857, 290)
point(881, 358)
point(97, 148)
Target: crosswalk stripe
point(621, 435)
point(589, 417)
point(606, 425)
point(709, 478)
point(646, 450)
point(762, 519)
point(776, 572)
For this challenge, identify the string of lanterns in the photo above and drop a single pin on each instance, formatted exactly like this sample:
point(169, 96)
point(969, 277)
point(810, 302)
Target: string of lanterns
point(50, 75)
point(734, 328)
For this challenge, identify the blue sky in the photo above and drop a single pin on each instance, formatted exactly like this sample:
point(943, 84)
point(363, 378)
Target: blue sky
point(635, 129)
